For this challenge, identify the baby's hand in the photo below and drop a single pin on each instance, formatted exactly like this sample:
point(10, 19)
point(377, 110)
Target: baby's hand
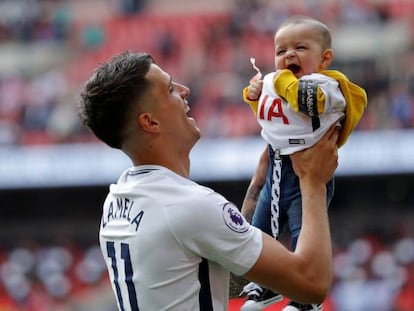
point(256, 85)
point(255, 89)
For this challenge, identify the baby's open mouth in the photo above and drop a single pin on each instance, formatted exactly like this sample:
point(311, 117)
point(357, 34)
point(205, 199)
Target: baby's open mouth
point(294, 68)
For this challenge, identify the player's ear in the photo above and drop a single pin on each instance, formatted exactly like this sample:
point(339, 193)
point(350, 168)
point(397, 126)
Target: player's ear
point(327, 58)
point(148, 122)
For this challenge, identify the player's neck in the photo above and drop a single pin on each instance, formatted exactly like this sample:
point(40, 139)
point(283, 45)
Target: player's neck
point(178, 164)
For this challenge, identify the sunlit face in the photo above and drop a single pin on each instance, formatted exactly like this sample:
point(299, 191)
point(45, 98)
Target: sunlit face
point(172, 108)
point(299, 49)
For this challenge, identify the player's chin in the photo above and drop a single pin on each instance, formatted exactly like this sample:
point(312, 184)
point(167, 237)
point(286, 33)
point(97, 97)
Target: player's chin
point(192, 121)
point(193, 124)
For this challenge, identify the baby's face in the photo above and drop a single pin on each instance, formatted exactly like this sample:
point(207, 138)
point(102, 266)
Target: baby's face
point(299, 49)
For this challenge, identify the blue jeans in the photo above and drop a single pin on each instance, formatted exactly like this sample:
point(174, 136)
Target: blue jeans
point(290, 202)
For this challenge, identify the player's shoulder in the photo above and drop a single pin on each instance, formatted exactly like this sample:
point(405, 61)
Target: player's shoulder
point(204, 197)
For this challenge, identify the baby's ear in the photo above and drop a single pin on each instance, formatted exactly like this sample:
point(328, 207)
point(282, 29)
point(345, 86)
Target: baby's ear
point(327, 58)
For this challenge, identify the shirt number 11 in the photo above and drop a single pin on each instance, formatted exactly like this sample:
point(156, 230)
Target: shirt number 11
point(126, 257)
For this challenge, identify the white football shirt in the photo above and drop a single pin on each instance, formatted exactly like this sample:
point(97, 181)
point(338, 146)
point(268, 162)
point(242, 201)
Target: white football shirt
point(291, 131)
point(169, 243)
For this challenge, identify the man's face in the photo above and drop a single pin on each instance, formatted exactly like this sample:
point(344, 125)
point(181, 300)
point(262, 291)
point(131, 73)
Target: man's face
point(170, 99)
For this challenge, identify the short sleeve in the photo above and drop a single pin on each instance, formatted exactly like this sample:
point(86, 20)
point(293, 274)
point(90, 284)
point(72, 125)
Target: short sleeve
point(213, 228)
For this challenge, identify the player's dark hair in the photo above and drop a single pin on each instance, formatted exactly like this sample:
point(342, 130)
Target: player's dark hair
point(324, 31)
point(110, 93)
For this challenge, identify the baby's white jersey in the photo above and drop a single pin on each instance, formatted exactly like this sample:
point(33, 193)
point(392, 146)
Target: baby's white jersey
point(290, 131)
point(169, 243)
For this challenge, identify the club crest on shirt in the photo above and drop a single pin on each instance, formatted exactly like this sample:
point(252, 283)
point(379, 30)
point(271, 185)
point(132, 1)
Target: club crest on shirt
point(233, 219)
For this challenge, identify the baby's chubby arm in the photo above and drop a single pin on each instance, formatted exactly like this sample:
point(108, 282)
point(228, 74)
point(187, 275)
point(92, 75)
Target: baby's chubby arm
point(251, 93)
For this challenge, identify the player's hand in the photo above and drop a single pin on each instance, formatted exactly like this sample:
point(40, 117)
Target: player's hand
point(255, 89)
point(318, 163)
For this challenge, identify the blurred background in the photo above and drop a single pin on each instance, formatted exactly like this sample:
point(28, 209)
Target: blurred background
point(54, 173)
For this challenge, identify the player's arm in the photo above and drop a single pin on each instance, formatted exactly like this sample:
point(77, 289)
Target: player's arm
point(304, 275)
point(255, 186)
